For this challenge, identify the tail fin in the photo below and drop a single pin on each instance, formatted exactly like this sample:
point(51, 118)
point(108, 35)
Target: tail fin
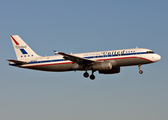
point(22, 50)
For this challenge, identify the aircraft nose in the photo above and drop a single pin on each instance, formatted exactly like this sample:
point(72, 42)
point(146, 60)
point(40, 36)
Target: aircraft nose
point(157, 57)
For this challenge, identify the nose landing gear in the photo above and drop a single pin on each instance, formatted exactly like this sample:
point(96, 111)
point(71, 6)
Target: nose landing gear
point(140, 71)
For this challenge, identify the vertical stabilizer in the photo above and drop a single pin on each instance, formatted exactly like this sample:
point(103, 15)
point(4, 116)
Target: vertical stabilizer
point(22, 50)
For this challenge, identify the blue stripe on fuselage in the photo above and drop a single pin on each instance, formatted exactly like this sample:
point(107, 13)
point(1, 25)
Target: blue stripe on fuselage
point(101, 56)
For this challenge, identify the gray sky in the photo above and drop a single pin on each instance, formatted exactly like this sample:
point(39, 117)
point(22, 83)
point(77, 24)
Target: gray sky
point(84, 26)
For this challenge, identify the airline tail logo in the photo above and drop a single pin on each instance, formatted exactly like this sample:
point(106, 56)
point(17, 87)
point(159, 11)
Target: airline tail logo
point(23, 51)
point(14, 40)
point(19, 47)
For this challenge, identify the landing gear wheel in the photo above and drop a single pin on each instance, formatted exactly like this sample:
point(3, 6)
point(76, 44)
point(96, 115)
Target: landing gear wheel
point(140, 71)
point(86, 75)
point(92, 77)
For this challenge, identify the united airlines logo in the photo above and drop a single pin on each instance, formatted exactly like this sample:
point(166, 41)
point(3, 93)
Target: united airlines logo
point(20, 47)
point(113, 52)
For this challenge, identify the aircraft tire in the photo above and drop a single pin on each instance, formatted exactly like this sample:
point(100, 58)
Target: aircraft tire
point(92, 77)
point(140, 71)
point(86, 75)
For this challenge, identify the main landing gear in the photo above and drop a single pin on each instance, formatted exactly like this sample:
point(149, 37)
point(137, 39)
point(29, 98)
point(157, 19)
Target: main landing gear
point(140, 71)
point(86, 75)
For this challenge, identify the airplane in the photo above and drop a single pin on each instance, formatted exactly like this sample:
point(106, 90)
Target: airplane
point(105, 62)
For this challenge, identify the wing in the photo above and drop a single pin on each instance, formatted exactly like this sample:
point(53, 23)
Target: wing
point(76, 59)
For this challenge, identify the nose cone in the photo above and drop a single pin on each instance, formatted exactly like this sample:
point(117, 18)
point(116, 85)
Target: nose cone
point(157, 58)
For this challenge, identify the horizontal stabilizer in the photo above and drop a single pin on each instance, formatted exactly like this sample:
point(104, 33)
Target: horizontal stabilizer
point(17, 62)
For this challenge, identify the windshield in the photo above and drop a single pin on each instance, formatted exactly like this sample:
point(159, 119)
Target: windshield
point(149, 52)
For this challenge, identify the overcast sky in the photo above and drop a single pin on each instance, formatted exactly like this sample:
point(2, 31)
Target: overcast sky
point(84, 26)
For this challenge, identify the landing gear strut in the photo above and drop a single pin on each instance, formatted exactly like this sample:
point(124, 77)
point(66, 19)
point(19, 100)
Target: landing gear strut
point(140, 71)
point(92, 77)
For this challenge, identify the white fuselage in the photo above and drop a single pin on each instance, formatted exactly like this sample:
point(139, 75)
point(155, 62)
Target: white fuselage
point(118, 58)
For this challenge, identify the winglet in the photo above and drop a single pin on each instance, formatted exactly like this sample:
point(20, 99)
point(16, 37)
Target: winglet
point(55, 52)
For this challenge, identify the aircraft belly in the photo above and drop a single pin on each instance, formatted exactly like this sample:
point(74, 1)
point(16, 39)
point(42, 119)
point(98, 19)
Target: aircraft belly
point(61, 67)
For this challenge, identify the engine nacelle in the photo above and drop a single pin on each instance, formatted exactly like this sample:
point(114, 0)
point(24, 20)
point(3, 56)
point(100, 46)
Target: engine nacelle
point(102, 66)
point(112, 71)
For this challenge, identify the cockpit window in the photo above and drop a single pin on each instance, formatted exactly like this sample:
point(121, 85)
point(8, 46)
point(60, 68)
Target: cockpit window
point(149, 52)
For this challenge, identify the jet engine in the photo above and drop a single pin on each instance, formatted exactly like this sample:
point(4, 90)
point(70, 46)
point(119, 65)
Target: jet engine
point(112, 71)
point(102, 66)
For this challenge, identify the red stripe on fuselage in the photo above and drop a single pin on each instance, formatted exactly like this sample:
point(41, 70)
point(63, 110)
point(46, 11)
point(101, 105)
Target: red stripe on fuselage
point(124, 58)
point(146, 59)
point(48, 64)
point(14, 40)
